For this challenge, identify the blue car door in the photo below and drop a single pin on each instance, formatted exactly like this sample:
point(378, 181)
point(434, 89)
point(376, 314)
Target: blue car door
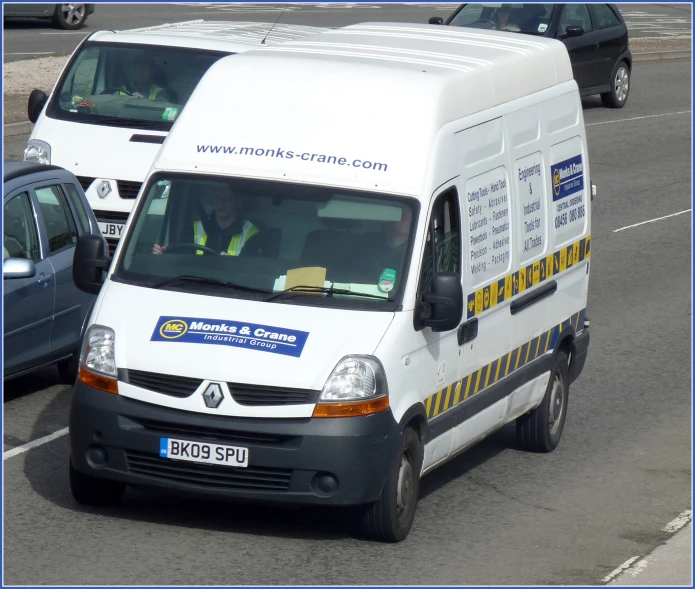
point(28, 302)
point(71, 304)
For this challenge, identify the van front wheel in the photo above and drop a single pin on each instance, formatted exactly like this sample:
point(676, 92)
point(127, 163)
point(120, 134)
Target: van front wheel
point(390, 518)
point(541, 429)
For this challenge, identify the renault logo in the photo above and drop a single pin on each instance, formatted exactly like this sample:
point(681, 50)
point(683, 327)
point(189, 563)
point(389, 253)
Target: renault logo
point(213, 395)
point(104, 188)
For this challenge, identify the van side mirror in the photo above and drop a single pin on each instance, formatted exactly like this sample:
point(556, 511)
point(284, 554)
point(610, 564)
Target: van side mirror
point(436, 20)
point(573, 31)
point(37, 100)
point(18, 268)
point(89, 263)
point(446, 302)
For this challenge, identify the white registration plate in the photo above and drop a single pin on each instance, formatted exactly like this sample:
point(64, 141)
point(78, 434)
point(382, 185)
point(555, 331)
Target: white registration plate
point(111, 229)
point(203, 452)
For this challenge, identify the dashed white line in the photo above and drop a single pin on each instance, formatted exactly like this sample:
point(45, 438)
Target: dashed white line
point(33, 53)
point(665, 114)
point(676, 524)
point(34, 443)
point(652, 220)
point(620, 569)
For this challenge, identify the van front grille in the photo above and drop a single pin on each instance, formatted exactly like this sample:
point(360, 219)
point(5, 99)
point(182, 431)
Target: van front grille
point(128, 189)
point(166, 384)
point(210, 476)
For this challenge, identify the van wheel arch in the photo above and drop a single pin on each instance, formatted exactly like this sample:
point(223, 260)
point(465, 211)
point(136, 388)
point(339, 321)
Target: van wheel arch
point(416, 418)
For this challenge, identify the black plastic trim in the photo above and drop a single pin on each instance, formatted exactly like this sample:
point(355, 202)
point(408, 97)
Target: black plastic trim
point(533, 297)
point(139, 138)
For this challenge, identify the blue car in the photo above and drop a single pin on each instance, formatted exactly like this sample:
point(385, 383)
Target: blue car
point(45, 211)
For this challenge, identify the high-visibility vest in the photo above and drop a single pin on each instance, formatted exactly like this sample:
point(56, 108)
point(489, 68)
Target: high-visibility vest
point(154, 91)
point(237, 242)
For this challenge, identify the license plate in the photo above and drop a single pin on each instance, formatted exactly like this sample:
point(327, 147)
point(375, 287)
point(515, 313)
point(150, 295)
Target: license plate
point(111, 229)
point(203, 452)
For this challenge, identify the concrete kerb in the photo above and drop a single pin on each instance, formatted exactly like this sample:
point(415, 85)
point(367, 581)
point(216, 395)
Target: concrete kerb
point(25, 127)
point(22, 128)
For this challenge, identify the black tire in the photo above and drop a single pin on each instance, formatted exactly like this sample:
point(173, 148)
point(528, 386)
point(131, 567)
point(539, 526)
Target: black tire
point(540, 430)
point(620, 87)
point(68, 368)
point(70, 16)
point(88, 490)
point(384, 520)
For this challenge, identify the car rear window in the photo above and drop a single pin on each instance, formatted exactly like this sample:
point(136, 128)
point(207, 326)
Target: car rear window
point(605, 17)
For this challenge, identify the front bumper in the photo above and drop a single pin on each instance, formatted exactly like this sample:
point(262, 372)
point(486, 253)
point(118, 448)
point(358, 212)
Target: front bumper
point(291, 461)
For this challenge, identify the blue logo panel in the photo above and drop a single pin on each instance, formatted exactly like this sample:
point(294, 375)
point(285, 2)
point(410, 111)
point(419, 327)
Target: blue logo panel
point(263, 338)
point(568, 177)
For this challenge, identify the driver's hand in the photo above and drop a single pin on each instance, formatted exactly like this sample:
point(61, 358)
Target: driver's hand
point(158, 249)
point(224, 254)
point(138, 95)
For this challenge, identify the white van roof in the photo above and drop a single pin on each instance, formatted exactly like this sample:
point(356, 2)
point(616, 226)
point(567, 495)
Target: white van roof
point(374, 92)
point(232, 36)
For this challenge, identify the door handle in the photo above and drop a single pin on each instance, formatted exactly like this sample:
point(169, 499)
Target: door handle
point(44, 278)
point(468, 331)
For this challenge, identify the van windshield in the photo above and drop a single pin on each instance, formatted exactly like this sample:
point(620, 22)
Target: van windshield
point(268, 240)
point(124, 85)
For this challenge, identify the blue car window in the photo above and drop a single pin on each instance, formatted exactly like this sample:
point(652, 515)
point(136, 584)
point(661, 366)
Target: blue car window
point(19, 235)
point(78, 205)
point(58, 219)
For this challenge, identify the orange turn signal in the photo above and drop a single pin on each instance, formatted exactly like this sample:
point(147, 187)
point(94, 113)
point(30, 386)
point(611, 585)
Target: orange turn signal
point(96, 381)
point(351, 409)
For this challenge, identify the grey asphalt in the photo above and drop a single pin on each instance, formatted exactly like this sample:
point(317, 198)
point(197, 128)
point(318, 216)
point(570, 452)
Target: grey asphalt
point(26, 39)
point(493, 516)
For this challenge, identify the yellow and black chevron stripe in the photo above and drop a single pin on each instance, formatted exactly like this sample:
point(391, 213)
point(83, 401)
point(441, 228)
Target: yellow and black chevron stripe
point(517, 282)
point(476, 382)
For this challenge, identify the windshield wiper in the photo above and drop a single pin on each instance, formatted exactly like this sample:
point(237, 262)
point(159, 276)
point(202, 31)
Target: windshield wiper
point(322, 289)
point(203, 280)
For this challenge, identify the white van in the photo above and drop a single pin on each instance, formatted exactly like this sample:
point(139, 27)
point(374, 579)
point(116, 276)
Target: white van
point(96, 125)
point(324, 359)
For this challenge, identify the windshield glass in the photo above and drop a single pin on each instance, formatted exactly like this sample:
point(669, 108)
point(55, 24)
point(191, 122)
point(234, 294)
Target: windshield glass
point(531, 19)
point(130, 85)
point(252, 238)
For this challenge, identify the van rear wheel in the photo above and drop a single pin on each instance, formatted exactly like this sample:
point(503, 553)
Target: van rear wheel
point(89, 490)
point(391, 517)
point(541, 429)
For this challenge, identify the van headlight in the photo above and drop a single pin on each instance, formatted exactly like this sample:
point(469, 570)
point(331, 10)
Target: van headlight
point(98, 351)
point(355, 378)
point(38, 152)
point(356, 387)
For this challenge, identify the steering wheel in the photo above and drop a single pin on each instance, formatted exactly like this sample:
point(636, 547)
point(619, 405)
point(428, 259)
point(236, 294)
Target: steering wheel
point(486, 21)
point(190, 246)
point(114, 90)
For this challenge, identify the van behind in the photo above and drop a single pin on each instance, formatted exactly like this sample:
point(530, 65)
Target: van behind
point(409, 272)
point(119, 95)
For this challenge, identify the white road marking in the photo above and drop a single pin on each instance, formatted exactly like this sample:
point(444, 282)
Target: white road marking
point(665, 114)
point(640, 565)
point(34, 443)
point(677, 523)
point(67, 33)
point(652, 221)
point(33, 53)
point(620, 569)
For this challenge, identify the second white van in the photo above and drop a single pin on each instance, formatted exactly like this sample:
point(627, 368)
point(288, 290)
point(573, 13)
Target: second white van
point(373, 256)
point(119, 95)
